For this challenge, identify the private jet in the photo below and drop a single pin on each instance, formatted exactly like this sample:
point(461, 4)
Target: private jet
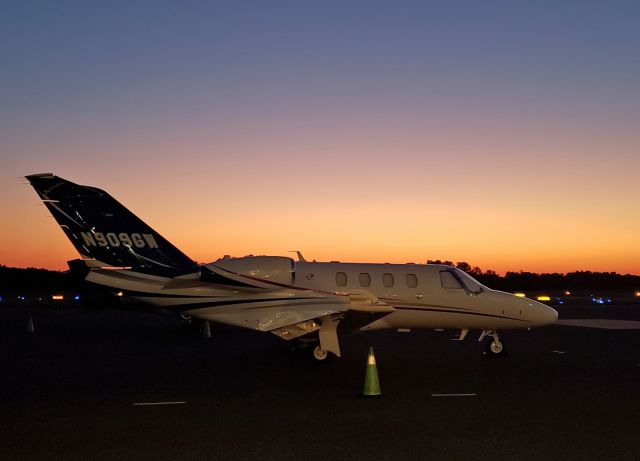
point(293, 299)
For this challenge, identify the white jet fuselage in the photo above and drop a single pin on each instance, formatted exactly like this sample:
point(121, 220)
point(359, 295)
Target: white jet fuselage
point(420, 300)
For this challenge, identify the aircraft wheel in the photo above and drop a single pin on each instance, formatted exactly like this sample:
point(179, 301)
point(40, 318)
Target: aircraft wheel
point(319, 354)
point(495, 348)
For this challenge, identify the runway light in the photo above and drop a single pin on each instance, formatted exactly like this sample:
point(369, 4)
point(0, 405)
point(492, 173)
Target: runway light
point(567, 292)
point(119, 294)
point(519, 295)
point(76, 298)
point(57, 297)
point(543, 298)
point(637, 294)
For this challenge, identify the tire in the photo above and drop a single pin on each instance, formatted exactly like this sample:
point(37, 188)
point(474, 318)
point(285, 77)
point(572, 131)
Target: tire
point(495, 348)
point(319, 354)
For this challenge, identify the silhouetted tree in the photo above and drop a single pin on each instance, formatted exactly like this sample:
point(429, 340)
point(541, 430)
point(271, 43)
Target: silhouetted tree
point(437, 261)
point(464, 266)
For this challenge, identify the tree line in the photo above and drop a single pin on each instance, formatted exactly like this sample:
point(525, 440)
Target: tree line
point(42, 282)
point(522, 280)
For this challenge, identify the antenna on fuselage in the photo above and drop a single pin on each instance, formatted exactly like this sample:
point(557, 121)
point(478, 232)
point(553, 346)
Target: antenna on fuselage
point(300, 257)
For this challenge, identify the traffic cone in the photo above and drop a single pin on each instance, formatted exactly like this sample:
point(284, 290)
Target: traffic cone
point(371, 384)
point(30, 328)
point(205, 329)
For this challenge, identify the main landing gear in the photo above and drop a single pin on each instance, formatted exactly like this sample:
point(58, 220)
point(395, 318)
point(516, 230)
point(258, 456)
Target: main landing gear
point(324, 338)
point(494, 347)
point(319, 354)
point(312, 347)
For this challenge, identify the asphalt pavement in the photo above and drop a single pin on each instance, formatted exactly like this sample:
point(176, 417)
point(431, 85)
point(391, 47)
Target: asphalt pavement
point(116, 385)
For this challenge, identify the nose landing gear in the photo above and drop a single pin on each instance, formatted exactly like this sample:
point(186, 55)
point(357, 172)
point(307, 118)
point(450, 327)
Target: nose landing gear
point(495, 347)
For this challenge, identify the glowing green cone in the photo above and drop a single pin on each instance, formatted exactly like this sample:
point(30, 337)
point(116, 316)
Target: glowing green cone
point(371, 384)
point(30, 328)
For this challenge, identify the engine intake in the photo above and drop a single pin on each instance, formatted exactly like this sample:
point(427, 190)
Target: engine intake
point(279, 269)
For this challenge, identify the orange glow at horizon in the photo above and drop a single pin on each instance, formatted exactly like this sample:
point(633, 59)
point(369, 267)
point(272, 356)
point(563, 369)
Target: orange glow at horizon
point(360, 204)
point(340, 223)
point(538, 199)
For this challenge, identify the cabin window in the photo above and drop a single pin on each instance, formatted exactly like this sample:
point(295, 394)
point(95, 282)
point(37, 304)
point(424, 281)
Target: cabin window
point(341, 279)
point(387, 279)
point(447, 280)
point(412, 280)
point(365, 279)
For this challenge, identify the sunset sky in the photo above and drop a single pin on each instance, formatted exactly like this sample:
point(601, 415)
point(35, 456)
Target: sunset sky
point(505, 134)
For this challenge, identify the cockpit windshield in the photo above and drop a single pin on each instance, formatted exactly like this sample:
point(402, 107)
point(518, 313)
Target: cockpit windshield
point(469, 282)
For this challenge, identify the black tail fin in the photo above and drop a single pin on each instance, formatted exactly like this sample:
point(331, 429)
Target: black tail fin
point(101, 228)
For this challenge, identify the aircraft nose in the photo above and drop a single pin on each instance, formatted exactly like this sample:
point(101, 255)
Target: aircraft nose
point(537, 313)
point(545, 315)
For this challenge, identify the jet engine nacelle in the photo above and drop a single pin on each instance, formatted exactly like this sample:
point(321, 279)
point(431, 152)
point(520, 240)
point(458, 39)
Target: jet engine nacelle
point(279, 269)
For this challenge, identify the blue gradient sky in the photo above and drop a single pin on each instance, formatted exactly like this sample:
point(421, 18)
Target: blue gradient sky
point(506, 134)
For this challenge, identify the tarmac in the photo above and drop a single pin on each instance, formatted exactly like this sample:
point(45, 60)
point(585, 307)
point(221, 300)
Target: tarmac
point(117, 385)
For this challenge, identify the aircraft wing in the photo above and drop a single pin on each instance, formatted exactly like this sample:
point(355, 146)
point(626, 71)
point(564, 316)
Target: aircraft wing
point(268, 311)
point(289, 313)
